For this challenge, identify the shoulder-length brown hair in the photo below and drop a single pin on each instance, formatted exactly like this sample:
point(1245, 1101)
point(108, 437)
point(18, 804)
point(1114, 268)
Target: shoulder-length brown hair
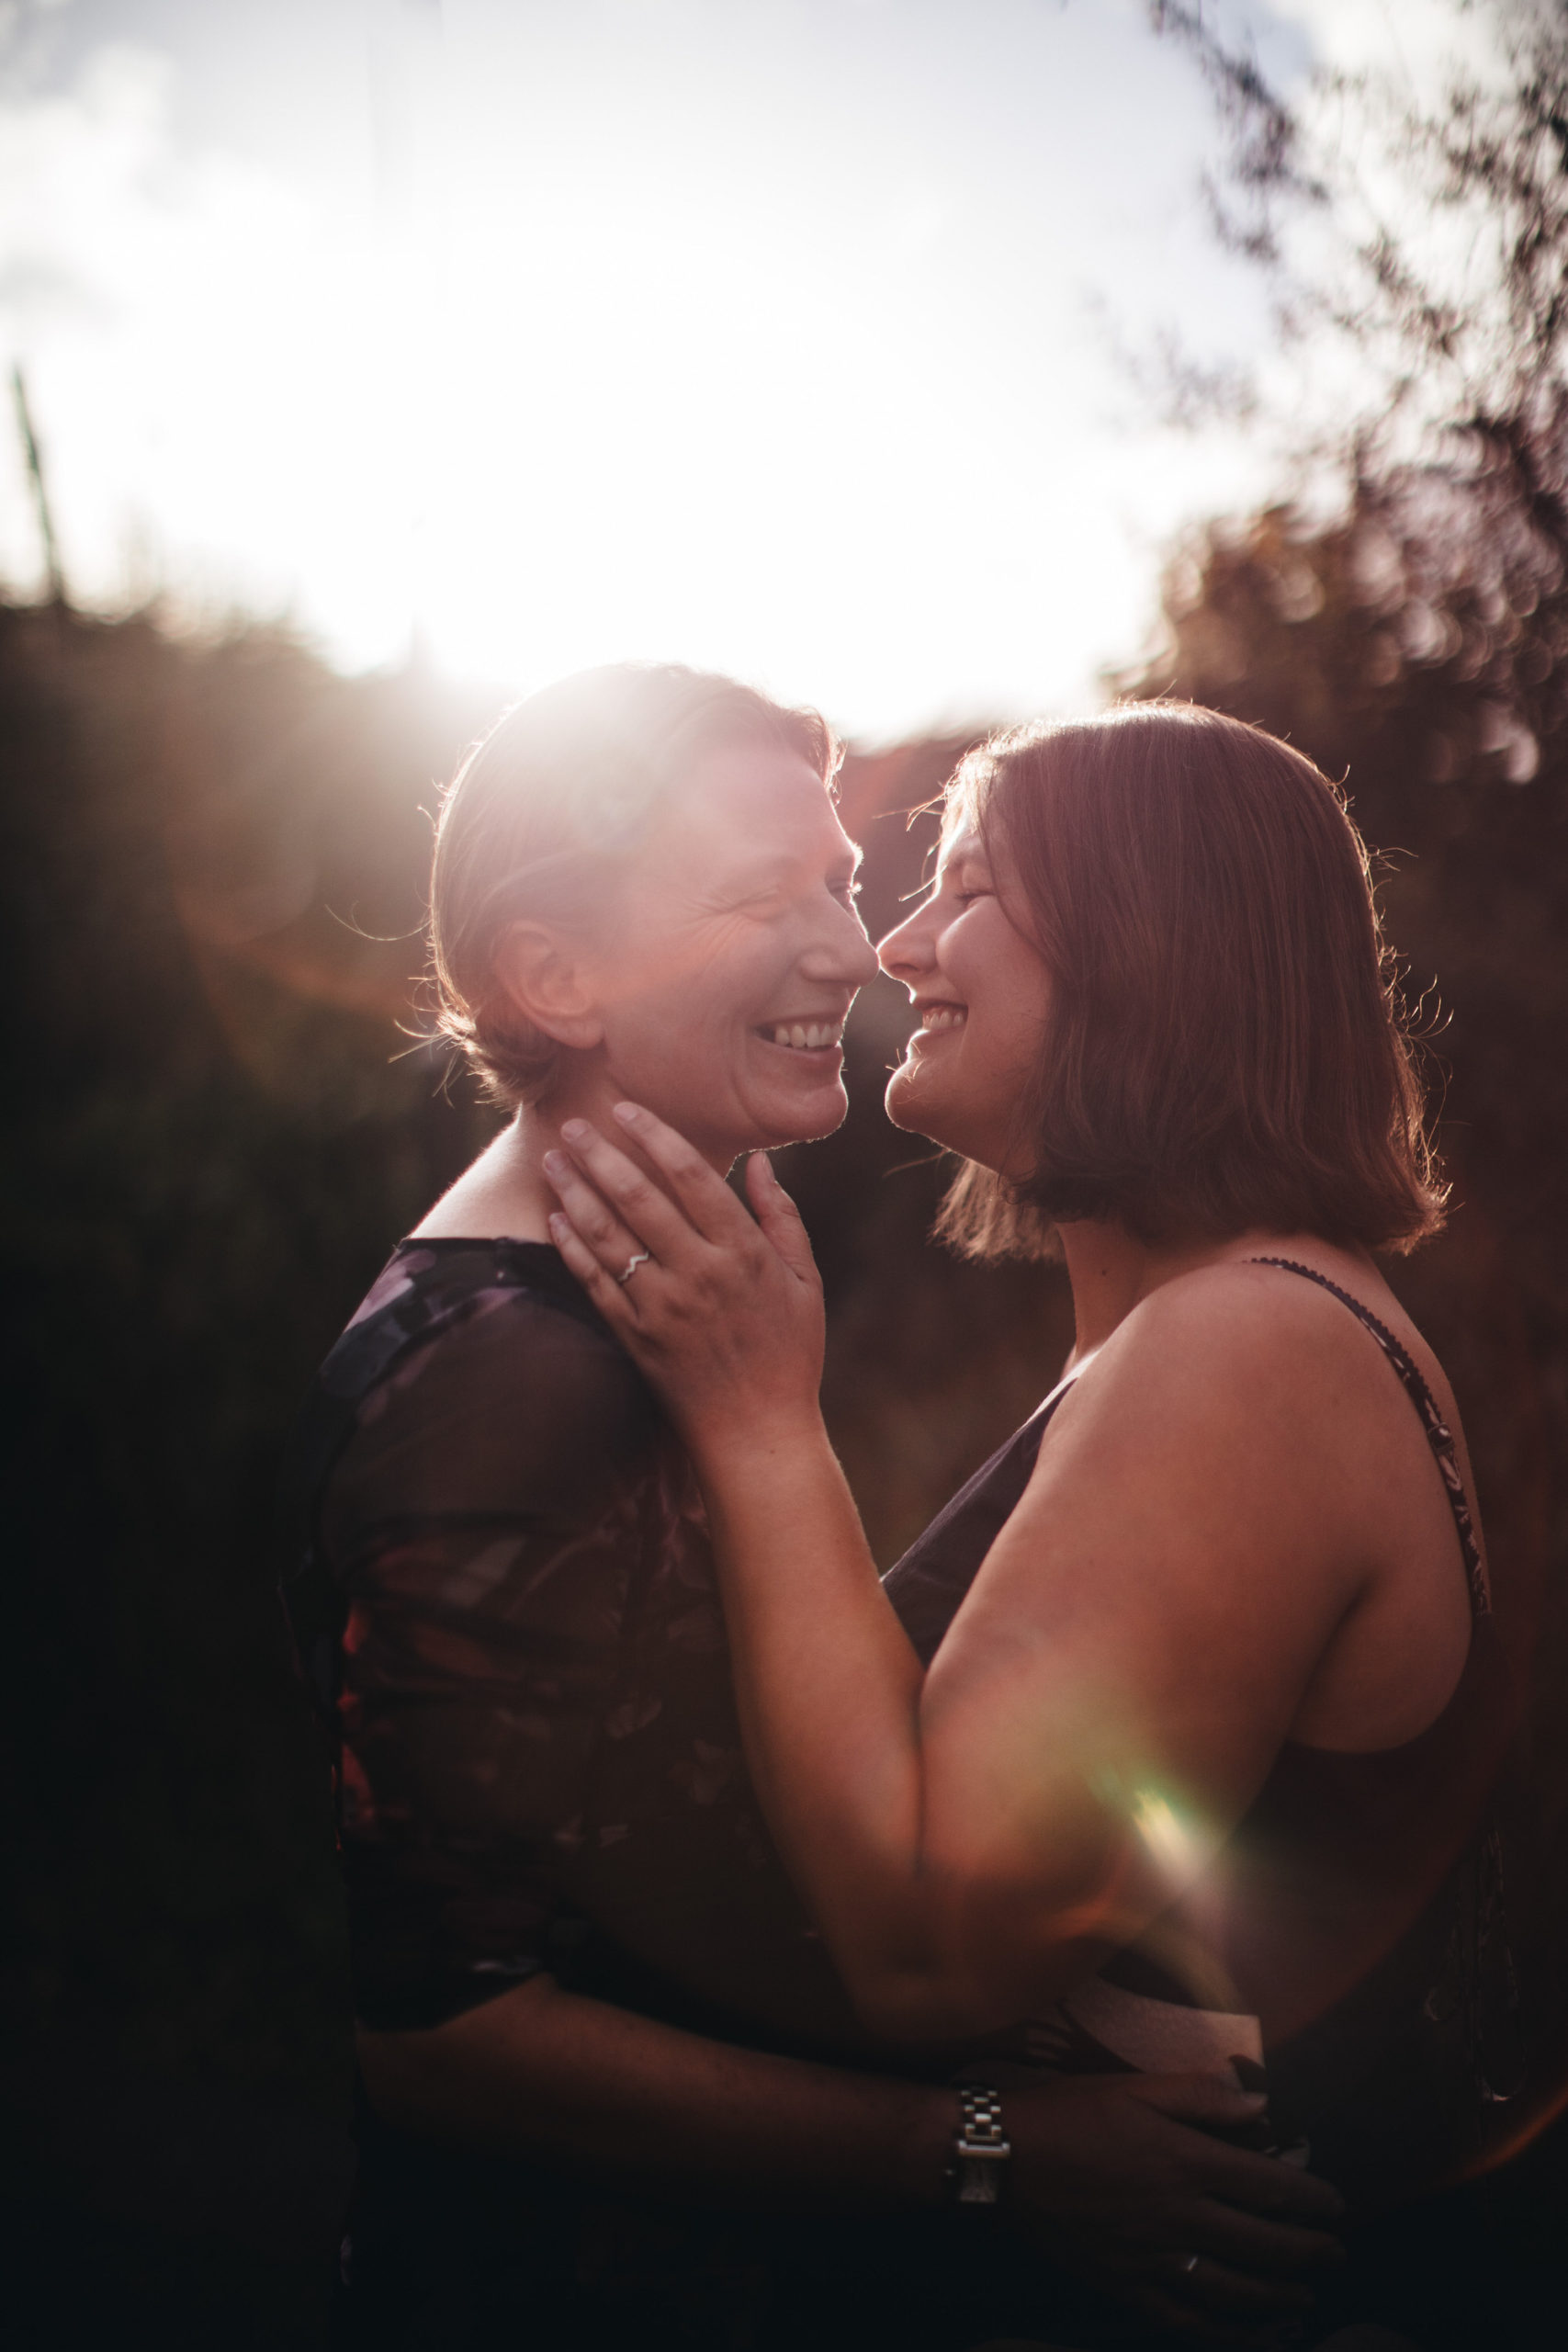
point(1225, 1047)
point(544, 812)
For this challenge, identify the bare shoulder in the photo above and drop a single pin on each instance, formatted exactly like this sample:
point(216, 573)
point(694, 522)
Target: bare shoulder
point(1230, 1335)
point(1245, 1378)
point(1182, 1528)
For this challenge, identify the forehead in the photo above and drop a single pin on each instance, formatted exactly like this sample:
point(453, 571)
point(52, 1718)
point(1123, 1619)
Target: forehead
point(961, 840)
point(753, 801)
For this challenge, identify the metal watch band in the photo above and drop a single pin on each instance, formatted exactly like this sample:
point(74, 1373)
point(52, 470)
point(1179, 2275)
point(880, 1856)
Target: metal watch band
point(982, 2148)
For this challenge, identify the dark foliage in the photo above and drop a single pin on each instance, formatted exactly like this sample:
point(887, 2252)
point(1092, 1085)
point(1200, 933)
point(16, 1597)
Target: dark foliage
point(1322, 639)
point(213, 872)
point(1418, 645)
point(202, 1166)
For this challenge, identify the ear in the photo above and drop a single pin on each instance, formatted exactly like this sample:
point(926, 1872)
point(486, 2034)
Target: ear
point(546, 978)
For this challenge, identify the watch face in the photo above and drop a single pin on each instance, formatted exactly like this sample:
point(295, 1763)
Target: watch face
point(981, 2148)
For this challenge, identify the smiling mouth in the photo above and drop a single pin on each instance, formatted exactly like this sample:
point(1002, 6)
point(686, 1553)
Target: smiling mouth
point(937, 1017)
point(804, 1036)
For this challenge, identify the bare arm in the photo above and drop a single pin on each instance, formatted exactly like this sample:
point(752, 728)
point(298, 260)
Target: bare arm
point(541, 2072)
point(1122, 2180)
point(1109, 1695)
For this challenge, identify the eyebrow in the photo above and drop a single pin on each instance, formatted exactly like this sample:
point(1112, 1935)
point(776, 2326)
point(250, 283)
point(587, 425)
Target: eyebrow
point(767, 868)
point(775, 869)
point(965, 849)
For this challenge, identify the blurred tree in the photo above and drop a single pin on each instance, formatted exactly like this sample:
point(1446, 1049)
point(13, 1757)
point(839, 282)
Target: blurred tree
point(1415, 245)
point(1404, 620)
point(203, 1161)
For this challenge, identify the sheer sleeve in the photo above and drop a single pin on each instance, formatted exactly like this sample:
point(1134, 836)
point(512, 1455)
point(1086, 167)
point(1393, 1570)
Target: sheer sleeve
point(481, 1527)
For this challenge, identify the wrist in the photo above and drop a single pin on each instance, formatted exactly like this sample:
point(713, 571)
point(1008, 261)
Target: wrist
point(742, 1444)
point(921, 2126)
point(953, 2148)
point(982, 2152)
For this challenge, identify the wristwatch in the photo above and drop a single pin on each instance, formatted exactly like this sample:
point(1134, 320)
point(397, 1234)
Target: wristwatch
point(981, 2150)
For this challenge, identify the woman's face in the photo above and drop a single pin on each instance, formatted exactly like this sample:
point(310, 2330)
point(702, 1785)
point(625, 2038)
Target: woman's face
point(983, 994)
point(730, 957)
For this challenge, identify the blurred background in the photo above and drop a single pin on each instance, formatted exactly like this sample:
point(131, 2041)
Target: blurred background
point(372, 362)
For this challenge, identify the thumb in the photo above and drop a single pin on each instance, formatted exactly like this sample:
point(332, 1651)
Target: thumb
point(779, 1217)
point(1213, 2099)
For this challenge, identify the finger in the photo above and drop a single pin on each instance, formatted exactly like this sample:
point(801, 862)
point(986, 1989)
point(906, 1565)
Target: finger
point(1246, 2176)
point(660, 1223)
point(591, 1215)
point(780, 1219)
point(1190, 2297)
point(706, 1198)
point(606, 1294)
point(1231, 2294)
point(1213, 2100)
point(1262, 2184)
point(1270, 2248)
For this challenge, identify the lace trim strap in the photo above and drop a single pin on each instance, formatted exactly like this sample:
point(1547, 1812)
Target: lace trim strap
point(1439, 1434)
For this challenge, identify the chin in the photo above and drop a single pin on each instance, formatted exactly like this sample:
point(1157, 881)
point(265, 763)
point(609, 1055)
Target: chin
point(907, 1111)
point(807, 1122)
point(902, 1104)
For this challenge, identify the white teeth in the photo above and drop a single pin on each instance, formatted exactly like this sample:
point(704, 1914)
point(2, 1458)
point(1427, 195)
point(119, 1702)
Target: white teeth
point(943, 1016)
point(805, 1035)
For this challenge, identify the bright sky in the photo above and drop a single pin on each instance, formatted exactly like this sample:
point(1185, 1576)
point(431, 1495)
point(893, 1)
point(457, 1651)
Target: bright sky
point(768, 334)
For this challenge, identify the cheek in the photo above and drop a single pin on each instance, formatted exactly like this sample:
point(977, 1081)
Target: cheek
point(689, 1027)
point(675, 979)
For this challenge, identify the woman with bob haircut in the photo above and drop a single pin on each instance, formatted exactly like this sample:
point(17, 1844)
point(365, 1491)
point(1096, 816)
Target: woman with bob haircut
point(1173, 1732)
point(609, 2079)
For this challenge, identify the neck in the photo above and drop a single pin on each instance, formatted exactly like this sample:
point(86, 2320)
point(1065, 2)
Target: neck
point(536, 1131)
point(1111, 1272)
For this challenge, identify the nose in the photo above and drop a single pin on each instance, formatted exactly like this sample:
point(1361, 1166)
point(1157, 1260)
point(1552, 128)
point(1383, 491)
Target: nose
point(906, 952)
point(841, 953)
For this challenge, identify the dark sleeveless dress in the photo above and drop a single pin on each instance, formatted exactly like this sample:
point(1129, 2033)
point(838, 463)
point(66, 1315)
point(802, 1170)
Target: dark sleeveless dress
point(1355, 1907)
point(507, 1608)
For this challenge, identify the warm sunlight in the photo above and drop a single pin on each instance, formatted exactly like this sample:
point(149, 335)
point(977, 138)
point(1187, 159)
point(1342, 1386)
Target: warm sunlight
point(536, 338)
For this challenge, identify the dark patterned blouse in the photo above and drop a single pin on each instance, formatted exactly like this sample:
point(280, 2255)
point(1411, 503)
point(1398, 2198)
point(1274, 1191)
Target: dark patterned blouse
point(510, 1606)
point(507, 1608)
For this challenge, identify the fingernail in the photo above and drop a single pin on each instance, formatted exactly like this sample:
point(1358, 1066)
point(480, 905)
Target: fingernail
point(629, 1115)
point(575, 1129)
point(556, 1164)
point(559, 1224)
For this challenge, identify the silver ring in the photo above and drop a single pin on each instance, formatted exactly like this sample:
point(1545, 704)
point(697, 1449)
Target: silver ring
point(1191, 2263)
point(641, 1258)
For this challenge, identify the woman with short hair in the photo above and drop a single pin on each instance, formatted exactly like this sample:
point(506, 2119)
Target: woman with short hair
point(1173, 1733)
point(609, 2080)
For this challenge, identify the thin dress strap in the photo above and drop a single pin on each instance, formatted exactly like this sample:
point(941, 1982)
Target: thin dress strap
point(1439, 1434)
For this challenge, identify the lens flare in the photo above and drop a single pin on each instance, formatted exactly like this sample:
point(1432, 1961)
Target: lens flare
point(1177, 1847)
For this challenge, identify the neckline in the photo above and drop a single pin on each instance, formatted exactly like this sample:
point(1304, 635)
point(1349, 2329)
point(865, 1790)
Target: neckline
point(474, 1241)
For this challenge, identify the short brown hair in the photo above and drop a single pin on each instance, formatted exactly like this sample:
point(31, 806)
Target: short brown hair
point(553, 801)
point(1225, 1046)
